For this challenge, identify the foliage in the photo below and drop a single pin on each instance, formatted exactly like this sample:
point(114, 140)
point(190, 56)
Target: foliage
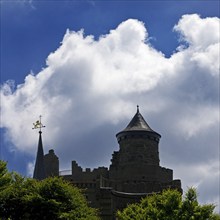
point(52, 198)
point(169, 205)
point(5, 177)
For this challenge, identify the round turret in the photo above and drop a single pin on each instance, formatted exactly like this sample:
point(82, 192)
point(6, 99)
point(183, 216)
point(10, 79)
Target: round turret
point(138, 155)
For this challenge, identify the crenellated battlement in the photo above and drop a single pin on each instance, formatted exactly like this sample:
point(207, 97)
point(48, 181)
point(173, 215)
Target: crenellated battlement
point(79, 174)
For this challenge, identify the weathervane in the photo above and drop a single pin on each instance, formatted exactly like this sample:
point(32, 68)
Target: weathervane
point(38, 124)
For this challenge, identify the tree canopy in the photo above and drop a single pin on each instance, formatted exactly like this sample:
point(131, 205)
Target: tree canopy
point(52, 198)
point(169, 205)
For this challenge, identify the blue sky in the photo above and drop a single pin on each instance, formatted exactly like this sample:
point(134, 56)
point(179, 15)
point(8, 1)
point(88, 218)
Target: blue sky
point(31, 30)
point(84, 111)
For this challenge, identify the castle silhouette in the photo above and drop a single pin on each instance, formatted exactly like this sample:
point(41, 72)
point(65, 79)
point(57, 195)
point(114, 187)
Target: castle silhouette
point(134, 172)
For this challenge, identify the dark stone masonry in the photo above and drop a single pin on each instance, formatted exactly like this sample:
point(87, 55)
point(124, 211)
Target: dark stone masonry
point(134, 172)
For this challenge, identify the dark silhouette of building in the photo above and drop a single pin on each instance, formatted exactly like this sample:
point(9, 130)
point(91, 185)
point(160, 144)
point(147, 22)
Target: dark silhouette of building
point(39, 169)
point(134, 173)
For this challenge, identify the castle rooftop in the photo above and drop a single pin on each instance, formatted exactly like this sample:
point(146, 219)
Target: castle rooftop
point(138, 123)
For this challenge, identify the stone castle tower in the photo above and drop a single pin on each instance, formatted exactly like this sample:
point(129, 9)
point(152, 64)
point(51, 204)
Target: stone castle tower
point(134, 172)
point(138, 151)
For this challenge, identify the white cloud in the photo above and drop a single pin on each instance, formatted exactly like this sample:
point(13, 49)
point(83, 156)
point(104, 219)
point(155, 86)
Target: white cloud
point(194, 122)
point(207, 58)
point(203, 176)
point(203, 36)
point(89, 89)
point(199, 33)
point(30, 169)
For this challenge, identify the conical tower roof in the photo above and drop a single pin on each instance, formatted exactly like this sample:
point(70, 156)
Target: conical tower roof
point(137, 125)
point(39, 169)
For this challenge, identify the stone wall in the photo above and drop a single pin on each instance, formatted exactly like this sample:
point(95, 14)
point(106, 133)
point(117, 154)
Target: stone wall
point(51, 163)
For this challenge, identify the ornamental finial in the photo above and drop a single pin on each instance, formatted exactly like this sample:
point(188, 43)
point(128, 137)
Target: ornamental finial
point(38, 124)
point(137, 108)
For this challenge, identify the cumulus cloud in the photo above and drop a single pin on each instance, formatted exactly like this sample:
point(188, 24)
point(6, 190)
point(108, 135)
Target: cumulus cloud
point(194, 30)
point(89, 89)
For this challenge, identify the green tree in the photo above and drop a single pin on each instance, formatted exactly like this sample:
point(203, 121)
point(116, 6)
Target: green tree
point(169, 205)
point(5, 177)
point(52, 198)
point(191, 210)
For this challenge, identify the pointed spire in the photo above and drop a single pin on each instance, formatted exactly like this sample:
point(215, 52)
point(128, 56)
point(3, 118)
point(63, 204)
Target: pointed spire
point(137, 108)
point(39, 169)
